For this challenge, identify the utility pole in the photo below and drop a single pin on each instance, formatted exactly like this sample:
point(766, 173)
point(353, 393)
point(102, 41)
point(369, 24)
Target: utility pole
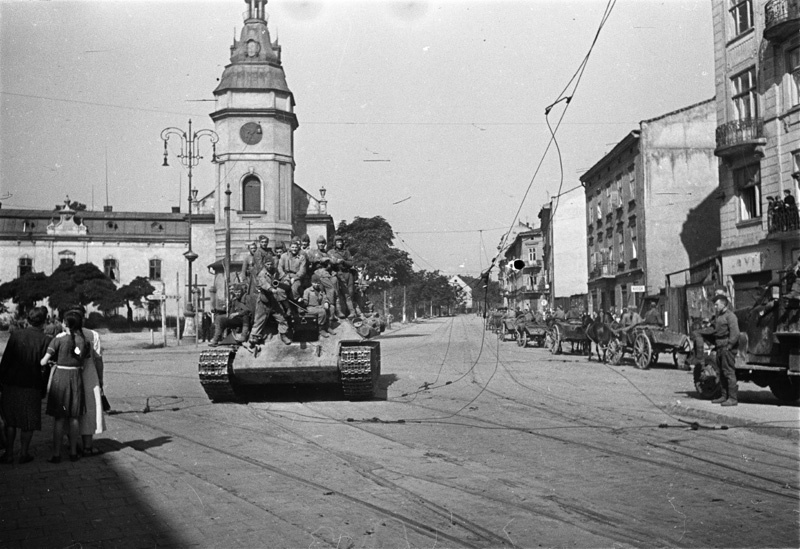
point(405, 319)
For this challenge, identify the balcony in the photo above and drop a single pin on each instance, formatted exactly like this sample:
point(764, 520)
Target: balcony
point(783, 223)
point(602, 269)
point(741, 138)
point(781, 19)
point(534, 265)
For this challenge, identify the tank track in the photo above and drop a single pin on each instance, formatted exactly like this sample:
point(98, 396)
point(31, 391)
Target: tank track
point(215, 374)
point(355, 367)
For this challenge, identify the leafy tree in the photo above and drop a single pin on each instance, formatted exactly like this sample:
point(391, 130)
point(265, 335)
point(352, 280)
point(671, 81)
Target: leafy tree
point(485, 292)
point(71, 285)
point(138, 288)
point(370, 240)
point(25, 291)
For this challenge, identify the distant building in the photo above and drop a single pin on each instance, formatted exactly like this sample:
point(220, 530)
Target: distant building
point(466, 293)
point(565, 249)
point(521, 274)
point(757, 70)
point(651, 207)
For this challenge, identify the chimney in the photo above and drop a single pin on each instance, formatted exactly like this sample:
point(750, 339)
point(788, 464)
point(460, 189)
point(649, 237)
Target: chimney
point(176, 209)
point(107, 208)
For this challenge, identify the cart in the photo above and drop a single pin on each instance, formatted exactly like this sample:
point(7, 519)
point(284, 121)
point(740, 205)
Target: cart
point(508, 329)
point(531, 331)
point(571, 331)
point(645, 342)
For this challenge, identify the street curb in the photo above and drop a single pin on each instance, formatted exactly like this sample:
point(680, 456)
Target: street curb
point(725, 422)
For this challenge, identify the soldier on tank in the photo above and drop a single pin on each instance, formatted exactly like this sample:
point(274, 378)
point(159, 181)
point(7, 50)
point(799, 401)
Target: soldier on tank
point(238, 316)
point(269, 304)
point(249, 271)
point(316, 303)
point(342, 262)
point(315, 256)
point(330, 284)
point(292, 269)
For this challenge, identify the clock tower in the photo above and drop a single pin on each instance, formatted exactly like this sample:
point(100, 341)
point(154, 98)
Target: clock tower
point(254, 118)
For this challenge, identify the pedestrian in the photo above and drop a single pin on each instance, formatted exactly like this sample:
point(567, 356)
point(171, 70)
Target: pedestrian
point(53, 327)
point(93, 421)
point(23, 385)
point(726, 344)
point(66, 402)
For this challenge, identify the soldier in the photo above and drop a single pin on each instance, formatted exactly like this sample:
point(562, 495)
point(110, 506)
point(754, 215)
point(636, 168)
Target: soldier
point(305, 245)
point(342, 263)
point(249, 271)
point(292, 269)
point(239, 315)
point(269, 302)
point(726, 344)
point(316, 303)
point(330, 284)
point(315, 256)
point(263, 252)
point(361, 301)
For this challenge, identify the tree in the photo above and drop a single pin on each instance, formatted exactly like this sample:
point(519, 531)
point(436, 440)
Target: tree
point(25, 291)
point(370, 240)
point(138, 288)
point(71, 285)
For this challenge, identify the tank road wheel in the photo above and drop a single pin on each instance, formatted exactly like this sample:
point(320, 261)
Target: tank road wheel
point(785, 388)
point(216, 374)
point(555, 340)
point(706, 380)
point(522, 338)
point(642, 352)
point(615, 351)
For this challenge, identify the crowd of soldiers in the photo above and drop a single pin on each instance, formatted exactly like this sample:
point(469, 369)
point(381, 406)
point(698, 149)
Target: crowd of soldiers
point(283, 285)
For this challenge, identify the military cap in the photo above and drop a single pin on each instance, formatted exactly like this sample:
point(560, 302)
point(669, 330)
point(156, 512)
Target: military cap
point(315, 279)
point(338, 237)
point(321, 238)
point(263, 237)
point(306, 238)
point(721, 297)
point(296, 241)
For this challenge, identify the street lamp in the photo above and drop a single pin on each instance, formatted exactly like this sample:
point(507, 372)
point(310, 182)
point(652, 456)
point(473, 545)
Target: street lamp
point(190, 157)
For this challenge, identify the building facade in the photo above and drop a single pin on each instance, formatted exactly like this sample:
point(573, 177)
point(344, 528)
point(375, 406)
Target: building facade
point(522, 274)
point(757, 69)
point(565, 249)
point(651, 207)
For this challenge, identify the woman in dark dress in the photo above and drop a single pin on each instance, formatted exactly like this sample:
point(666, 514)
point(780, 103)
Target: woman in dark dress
point(23, 385)
point(65, 396)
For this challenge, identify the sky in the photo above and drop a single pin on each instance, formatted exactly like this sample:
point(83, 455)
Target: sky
point(430, 114)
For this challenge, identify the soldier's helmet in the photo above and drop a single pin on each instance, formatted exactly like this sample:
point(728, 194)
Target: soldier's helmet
point(321, 239)
point(306, 238)
point(338, 238)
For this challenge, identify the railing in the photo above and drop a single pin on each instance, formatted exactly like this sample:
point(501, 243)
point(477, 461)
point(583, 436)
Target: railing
point(602, 268)
point(781, 17)
point(782, 219)
point(737, 132)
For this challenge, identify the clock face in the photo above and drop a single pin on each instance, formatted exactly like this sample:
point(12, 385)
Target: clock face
point(251, 133)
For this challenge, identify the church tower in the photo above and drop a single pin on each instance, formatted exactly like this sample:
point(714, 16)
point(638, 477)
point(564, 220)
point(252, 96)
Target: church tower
point(254, 118)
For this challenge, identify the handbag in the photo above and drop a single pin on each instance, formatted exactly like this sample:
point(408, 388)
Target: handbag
point(105, 403)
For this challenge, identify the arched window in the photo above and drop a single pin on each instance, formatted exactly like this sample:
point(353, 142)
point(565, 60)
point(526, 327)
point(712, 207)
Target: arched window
point(251, 194)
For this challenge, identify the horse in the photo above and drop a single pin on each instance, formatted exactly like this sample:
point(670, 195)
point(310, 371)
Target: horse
point(600, 331)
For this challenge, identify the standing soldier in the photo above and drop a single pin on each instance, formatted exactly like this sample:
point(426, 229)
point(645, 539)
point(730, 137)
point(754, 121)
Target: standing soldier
point(726, 343)
point(315, 257)
point(269, 303)
point(249, 271)
point(292, 269)
point(342, 263)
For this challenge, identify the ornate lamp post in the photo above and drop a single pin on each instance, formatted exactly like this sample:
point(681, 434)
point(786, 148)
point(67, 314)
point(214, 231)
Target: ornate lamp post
point(190, 157)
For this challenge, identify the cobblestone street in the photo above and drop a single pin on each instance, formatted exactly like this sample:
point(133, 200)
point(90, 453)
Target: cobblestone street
point(476, 443)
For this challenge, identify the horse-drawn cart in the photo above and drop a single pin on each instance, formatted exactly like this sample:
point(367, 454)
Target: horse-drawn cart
point(571, 331)
point(645, 342)
point(530, 331)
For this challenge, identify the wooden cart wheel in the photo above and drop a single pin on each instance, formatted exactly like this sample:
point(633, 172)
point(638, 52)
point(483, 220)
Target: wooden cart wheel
point(615, 351)
point(547, 342)
point(522, 338)
point(555, 345)
point(642, 352)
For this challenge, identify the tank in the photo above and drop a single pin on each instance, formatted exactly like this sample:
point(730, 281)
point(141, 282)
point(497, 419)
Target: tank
point(347, 357)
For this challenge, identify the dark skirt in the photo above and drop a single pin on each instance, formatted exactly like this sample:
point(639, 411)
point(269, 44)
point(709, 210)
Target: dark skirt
point(22, 407)
point(65, 399)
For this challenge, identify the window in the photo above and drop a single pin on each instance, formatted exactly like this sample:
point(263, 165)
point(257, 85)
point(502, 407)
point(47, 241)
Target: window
point(741, 16)
point(632, 181)
point(251, 194)
point(793, 68)
point(621, 247)
point(110, 269)
point(25, 266)
point(155, 269)
point(531, 255)
point(634, 252)
point(66, 258)
point(747, 183)
point(744, 95)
